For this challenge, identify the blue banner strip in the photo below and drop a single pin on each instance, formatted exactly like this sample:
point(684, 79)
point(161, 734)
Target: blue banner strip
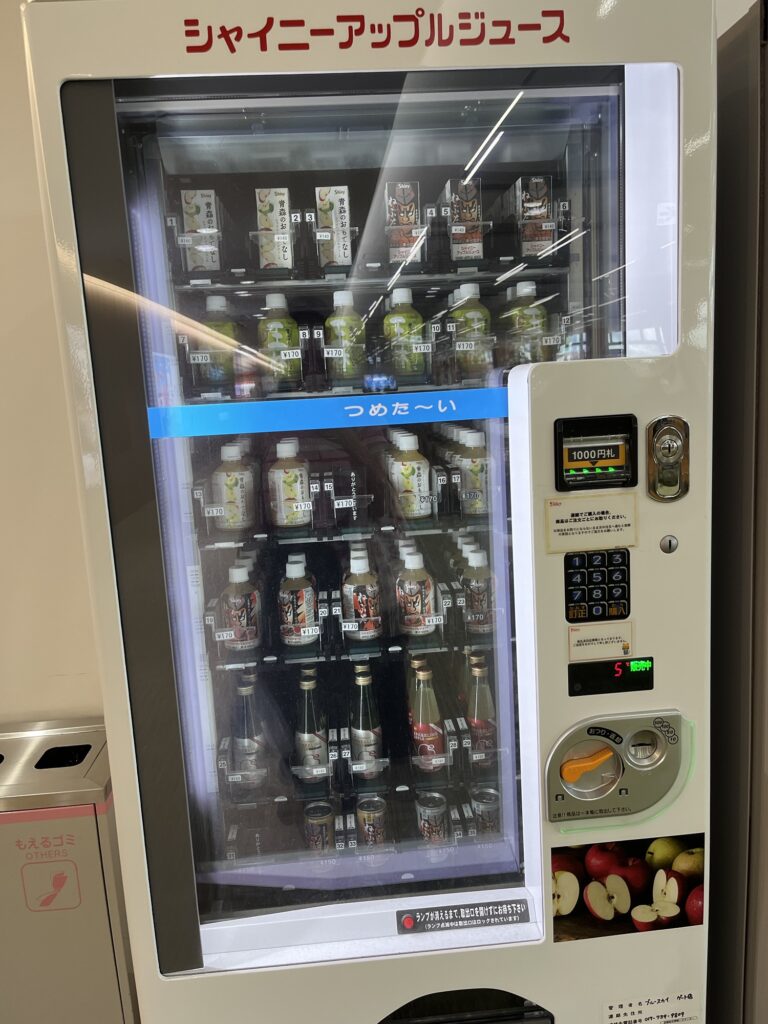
point(326, 413)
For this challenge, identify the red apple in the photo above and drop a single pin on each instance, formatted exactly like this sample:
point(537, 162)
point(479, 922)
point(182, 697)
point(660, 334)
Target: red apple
point(694, 905)
point(602, 858)
point(636, 874)
point(564, 861)
point(669, 887)
point(606, 899)
point(565, 893)
point(660, 915)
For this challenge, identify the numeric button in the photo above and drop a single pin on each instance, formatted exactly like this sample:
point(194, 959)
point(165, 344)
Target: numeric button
point(617, 575)
point(597, 577)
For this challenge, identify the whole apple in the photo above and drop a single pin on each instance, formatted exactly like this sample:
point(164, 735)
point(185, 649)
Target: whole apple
point(602, 859)
point(690, 863)
point(662, 852)
point(565, 861)
point(694, 905)
point(636, 874)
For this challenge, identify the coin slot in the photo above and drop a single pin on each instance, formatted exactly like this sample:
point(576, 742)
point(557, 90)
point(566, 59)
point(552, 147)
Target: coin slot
point(645, 748)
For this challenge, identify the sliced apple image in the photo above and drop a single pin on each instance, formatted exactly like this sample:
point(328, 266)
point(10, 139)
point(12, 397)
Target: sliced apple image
point(565, 893)
point(647, 918)
point(690, 863)
point(602, 859)
point(662, 852)
point(565, 861)
point(694, 905)
point(669, 887)
point(606, 899)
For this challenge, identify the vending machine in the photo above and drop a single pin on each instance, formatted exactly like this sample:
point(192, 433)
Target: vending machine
point(386, 334)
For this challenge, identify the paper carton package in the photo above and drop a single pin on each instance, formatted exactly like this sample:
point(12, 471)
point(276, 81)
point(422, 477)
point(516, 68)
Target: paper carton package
point(465, 228)
point(334, 237)
point(533, 209)
point(201, 226)
point(273, 213)
point(403, 218)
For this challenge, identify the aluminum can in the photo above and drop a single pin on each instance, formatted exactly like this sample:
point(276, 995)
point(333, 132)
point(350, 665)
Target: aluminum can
point(432, 816)
point(486, 809)
point(319, 820)
point(371, 820)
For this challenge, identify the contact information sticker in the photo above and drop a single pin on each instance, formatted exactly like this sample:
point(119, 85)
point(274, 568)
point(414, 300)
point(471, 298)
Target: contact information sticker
point(465, 915)
point(682, 1007)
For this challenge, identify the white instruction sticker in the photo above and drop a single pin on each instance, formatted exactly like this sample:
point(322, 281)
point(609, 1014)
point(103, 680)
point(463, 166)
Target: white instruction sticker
point(584, 524)
point(599, 640)
point(681, 1007)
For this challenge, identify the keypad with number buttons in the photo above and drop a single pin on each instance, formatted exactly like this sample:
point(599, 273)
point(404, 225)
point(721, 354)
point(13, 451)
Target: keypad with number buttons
point(597, 585)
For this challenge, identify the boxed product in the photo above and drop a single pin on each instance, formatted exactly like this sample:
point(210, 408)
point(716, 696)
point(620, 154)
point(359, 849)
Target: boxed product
point(334, 237)
point(533, 209)
point(402, 221)
point(201, 226)
point(465, 227)
point(273, 215)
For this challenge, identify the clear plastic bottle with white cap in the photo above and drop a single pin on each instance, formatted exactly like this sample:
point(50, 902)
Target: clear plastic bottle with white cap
point(473, 465)
point(473, 342)
point(297, 607)
point(415, 595)
point(278, 338)
point(290, 502)
point(404, 329)
point(478, 593)
point(410, 477)
point(345, 359)
point(361, 600)
point(299, 558)
point(233, 489)
point(522, 329)
point(240, 611)
point(213, 365)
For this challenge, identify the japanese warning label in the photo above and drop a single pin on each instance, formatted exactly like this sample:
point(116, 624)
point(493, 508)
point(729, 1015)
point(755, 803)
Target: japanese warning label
point(678, 1008)
point(583, 524)
point(599, 640)
point(465, 915)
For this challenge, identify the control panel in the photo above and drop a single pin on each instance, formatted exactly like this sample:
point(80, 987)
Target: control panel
point(596, 585)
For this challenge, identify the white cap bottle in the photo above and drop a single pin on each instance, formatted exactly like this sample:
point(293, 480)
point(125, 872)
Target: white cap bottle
point(477, 560)
point(359, 565)
point(276, 300)
point(230, 452)
point(512, 293)
point(414, 560)
point(287, 449)
point(294, 570)
point(344, 298)
point(402, 297)
point(407, 443)
point(470, 291)
point(526, 288)
point(216, 304)
point(474, 439)
point(238, 574)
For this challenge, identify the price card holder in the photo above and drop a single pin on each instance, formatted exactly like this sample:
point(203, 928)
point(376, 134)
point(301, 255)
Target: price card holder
point(351, 510)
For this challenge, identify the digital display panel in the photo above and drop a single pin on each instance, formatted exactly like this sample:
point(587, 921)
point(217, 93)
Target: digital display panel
point(619, 675)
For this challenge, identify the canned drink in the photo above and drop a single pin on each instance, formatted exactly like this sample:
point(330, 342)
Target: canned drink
point(486, 809)
point(371, 820)
point(432, 816)
point(319, 821)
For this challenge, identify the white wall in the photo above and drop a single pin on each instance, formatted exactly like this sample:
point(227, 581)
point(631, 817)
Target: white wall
point(47, 659)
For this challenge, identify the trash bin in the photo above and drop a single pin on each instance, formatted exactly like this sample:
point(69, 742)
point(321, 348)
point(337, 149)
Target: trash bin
point(64, 950)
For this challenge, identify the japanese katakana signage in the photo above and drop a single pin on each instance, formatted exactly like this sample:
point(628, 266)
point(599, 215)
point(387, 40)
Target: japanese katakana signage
point(416, 29)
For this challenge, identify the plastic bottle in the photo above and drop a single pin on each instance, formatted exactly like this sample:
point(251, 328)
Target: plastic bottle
point(473, 343)
point(473, 464)
point(345, 331)
point(299, 558)
point(415, 593)
point(481, 717)
point(522, 328)
point(233, 489)
point(410, 479)
point(360, 599)
point(311, 736)
point(213, 365)
point(465, 544)
point(278, 333)
point(427, 733)
point(478, 593)
point(365, 723)
point(290, 503)
point(240, 611)
point(404, 328)
point(297, 604)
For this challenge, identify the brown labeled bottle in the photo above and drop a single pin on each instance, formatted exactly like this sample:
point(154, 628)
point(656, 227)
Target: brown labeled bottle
point(297, 606)
point(361, 599)
point(478, 594)
point(240, 607)
point(481, 718)
point(415, 591)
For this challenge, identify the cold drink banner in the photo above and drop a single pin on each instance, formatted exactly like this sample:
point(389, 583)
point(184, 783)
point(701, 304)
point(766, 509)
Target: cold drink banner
point(326, 413)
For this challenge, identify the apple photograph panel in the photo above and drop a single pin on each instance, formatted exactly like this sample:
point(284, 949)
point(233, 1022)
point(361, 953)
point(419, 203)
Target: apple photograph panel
point(627, 886)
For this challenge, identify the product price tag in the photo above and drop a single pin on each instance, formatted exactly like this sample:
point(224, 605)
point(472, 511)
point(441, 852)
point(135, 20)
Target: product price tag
point(199, 357)
point(437, 761)
point(477, 755)
point(415, 232)
point(302, 506)
point(451, 325)
point(333, 353)
point(458, 229)
point(552, 339)
point(472, 495)
point(433, 620)
point(421, 346)
point(213, 511)
point(281, 237)
point(427, 499)
point(184, 240)
point(350, 627)
point(290, 353)
point(322, 770)
point(477, 617)
point(548, 225)
point(323, 236)
point(234, 778)
point(344, 503)
point(465, 346)
point(224, 634)
point(310, 631)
